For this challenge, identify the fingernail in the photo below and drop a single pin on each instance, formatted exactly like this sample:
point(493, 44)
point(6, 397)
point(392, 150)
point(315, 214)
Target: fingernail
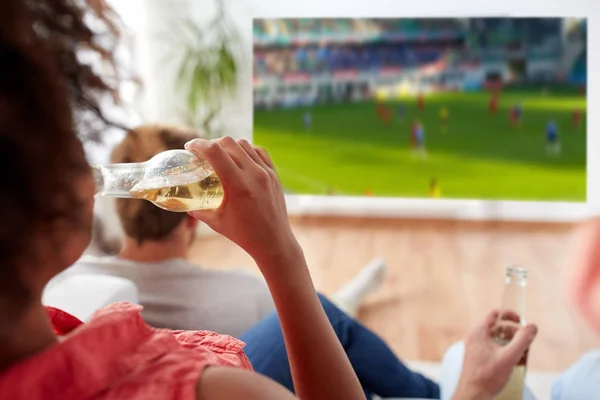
point(188, 144)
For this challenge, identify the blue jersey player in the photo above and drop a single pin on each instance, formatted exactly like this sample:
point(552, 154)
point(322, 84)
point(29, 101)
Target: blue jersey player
point(516, 115)
point(552, 139)
point(401, 111)
point(418, 140)
point(307, 120)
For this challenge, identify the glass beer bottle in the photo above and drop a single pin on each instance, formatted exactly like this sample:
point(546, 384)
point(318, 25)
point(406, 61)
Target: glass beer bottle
point(174, 180)
point(510, 319)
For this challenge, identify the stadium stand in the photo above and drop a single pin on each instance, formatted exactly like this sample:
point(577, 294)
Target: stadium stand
point(309, 46)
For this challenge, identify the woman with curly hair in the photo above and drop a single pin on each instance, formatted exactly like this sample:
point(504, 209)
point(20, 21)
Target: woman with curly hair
point(48, 94)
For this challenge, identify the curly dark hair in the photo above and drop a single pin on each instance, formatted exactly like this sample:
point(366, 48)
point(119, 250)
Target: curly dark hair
point(48, 94)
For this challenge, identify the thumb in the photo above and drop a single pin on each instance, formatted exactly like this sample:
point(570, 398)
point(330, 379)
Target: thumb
point(513, 352)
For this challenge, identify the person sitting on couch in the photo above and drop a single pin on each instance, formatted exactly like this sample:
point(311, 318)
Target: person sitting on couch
point(49, 95)
point(471, 369)
point(175, 292)
point(178, 294)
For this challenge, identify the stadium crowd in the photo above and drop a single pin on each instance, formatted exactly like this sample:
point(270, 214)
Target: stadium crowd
point(345, 28)
point(325, 45)
point(316, 59)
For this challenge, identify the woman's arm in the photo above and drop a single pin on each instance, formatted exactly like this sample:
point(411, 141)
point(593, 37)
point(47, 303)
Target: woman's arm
point(221, 383)
point(319, 365)
point(254, 216)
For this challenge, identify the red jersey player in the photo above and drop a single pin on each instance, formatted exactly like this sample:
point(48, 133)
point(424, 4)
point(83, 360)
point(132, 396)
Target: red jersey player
point(417, 139)
point(387, 115)
point(413, 134)
point(516, 114)
point(384, 113)
point(494, 103)
point(380, 107)
point(576, 118)
point(380, 111)
point(421, 101)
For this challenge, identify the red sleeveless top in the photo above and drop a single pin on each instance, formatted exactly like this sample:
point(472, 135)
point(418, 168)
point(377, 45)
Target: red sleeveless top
point(117, 356)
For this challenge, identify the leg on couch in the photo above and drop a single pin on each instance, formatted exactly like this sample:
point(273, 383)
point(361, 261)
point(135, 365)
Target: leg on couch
point(377, 367)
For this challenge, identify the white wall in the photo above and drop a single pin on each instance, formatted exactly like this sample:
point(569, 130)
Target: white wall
point(160, 102)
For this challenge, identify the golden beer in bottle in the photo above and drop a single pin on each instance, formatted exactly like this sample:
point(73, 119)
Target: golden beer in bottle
point(510, 319)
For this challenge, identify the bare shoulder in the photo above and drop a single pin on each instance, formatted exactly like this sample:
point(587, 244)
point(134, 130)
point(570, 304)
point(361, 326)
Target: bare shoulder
point(223, 383)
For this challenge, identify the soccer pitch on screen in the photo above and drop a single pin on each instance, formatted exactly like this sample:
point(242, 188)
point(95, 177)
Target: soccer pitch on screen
point(462, 108)
point(348, 150)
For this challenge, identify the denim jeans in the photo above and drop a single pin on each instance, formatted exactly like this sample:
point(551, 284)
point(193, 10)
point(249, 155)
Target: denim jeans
point(379, 371)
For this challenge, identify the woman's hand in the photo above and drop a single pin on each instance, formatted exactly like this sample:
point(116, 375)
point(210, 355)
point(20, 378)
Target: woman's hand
point(253, 213)
point(487, 366)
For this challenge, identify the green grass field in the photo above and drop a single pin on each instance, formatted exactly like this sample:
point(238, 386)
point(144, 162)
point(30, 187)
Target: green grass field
point(348, 151)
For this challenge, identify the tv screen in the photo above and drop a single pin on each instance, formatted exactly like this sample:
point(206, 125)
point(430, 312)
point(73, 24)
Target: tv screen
point(471, 108)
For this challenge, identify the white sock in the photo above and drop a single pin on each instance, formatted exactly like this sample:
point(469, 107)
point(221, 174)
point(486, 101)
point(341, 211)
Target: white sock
point(350, 296)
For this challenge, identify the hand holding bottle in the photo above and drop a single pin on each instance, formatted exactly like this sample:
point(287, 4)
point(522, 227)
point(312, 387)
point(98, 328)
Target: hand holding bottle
point(253, 213)
point(487, 366)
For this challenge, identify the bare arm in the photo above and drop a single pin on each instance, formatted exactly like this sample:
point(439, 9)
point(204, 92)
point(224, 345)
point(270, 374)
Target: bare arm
point(254, 216)
point(319, 365)
point(220, 383)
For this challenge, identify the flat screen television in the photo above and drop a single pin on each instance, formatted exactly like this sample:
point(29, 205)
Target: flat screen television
point(445, 108)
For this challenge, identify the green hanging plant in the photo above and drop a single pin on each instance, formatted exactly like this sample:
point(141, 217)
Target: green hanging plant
point(208, 66)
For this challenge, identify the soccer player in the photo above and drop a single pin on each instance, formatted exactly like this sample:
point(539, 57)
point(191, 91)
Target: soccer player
point(401, 111)
point(444, 119)
point(413, 135)
point(418, 140)
point(494, 103)
point(380, 110)
point(387, 115)
point(384, 113)
point(552, 141)
point(421, 101)
point(516, 114)
point(307, 120)
point(434, 189)
point(576, 118)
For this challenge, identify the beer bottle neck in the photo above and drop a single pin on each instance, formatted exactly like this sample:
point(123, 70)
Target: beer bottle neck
point(514, 292)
